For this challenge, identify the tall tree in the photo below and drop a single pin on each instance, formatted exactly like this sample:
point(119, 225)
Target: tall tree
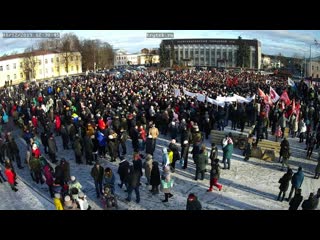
point(29, 64)
point(69, 45)
point(243, 54)
point(164, 55)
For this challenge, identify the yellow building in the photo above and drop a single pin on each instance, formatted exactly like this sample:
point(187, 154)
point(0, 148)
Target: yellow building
point(146, 58)
point(38, 65)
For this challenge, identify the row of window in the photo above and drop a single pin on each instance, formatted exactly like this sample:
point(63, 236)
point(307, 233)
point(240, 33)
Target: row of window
point(14, 76)
point(45, 61)
point(313, 68)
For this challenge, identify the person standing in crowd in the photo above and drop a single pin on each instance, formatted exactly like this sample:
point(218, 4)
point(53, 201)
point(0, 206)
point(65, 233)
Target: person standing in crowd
point(123, 136)
point(74, 187)
point(83, 202)
point(201, 163)
point(57, 201)
point(296, 182)
point(227, 147)
point(285, 153)
point(123, 171)
point(97, 174)
point(155, 178)
point(193, 203)
point(213, 152)
point(309, 203)
point(284, 184)
point(11, 177)
point(176, 155)
point(303, 130)
point(52, 146)
point(247, 151)
point(310, 146)
point(185, 154)
point(296, 200)
point(68, 204)
point(147, 165)
point(109, 180)
point(154, 132)
point(149, 145)
point(166, 184)
point(215, 175)
point(109, 200)
point(284, 145)
point(48, 174)
point(134, 183)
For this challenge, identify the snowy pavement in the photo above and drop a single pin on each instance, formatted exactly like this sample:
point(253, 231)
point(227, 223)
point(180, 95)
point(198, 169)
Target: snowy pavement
point(251, 185)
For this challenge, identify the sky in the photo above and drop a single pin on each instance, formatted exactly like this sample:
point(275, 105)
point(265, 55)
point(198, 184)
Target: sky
point(273, 42)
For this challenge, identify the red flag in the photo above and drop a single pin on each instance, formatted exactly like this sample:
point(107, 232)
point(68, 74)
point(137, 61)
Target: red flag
point(285, 97)
point(273, 95)
point(297, 109)
point(261, 93)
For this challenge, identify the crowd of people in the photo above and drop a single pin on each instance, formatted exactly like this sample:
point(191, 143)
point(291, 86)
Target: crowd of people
point(96, 115)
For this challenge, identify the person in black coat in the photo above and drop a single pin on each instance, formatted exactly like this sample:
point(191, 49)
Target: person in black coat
point(149, 145)
point(123, 172)
point(134, 183)
point(176, 155)
point(184, 153)
point(284, 183)
point(193, 203)
point(214, 152)
point(97, 172)
point(309, 203)
point(296, 200)
point(155, 178)
point(122, 138)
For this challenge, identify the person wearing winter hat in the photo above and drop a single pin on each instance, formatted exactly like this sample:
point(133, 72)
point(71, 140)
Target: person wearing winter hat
point(83, 202)
point(193, 203)
point(74, 187)
point(68, 204)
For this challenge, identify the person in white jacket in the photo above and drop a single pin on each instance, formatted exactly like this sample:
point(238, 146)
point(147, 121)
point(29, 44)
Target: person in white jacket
point(83, 202)
point(303, 129)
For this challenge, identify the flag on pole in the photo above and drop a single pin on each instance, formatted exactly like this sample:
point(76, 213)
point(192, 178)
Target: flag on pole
point(273, 95)
point(292, 84)
point(285, 97)
point(261, 93)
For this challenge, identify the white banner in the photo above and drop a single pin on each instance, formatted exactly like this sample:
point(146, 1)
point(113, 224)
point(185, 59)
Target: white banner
point(201, 97)
point(215, 102)
point(176, 92)
point(189, 93)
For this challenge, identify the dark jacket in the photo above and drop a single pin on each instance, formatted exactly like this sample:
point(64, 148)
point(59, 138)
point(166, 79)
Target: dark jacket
point(174, 148)
point(308, 204)
point(193, 203)
point(149, 146)
point(284, 181)
point(155, 174)
point(185, 151)
point(295, 202)
point(123, 170)
point(97, 173)
point(215, 171)
point(214, 153)
point(134, 177)
point(202, 161)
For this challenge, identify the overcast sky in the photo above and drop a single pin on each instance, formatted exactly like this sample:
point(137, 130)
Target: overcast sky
point(273, 42)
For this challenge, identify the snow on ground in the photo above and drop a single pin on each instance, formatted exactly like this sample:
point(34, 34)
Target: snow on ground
point(251, 185)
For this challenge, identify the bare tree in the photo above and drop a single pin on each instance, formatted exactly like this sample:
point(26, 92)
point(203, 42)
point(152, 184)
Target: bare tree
point(69, 45)
point(29, 63)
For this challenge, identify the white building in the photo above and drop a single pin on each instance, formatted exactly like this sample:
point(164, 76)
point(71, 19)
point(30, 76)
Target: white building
point(120, 58)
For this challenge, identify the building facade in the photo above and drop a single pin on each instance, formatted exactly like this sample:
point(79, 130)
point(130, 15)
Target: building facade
point(212, 52)
point(123, 58)
point(313, 69)
point(38, 65)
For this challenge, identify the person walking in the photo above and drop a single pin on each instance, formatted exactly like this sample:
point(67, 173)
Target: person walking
point(215, 175)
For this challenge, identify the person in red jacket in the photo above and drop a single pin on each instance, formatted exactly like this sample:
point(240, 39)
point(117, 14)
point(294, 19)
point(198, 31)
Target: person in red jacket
point(57, 124)
point(36, 150)
point(10, 177)
point(34, 122)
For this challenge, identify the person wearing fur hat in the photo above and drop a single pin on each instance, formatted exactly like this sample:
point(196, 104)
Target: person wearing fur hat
point(68, 204)
point(74, 187)
point(83, 202)
point(166, 183)
point(185, 154)
point(193, 203)
point(57, 201)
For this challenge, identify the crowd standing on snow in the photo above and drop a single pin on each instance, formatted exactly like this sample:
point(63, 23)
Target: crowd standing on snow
point(95, 117)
